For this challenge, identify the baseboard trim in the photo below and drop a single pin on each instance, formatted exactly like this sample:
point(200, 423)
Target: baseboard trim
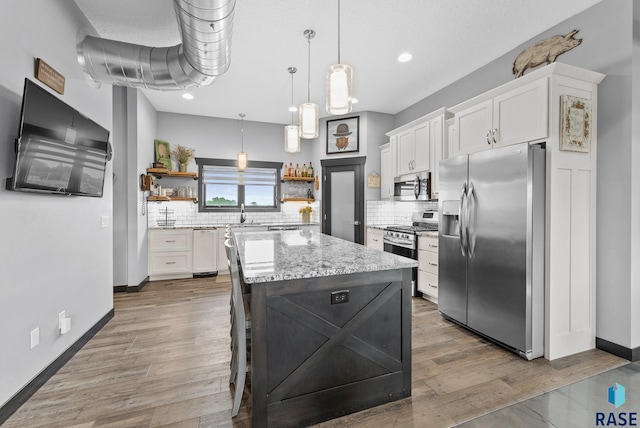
point(10, 407)
point(120, 288)
point(139, 287)
point(631, 354)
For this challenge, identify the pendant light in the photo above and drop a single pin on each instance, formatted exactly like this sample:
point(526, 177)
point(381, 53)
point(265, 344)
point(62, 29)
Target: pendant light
point(309, 113)
point(291, 132)
point(339, 78)
point(243, 159)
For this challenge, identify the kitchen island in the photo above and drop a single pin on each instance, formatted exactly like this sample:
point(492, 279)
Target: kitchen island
point(331, 326)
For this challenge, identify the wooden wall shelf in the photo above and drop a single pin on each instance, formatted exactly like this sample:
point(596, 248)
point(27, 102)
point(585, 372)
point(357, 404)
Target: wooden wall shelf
point(170, 199)
point(163, 172)
point(298, 200)
point(305, 179)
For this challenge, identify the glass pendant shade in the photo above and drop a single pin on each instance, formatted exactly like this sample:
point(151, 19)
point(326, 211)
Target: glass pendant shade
point(339, 89)
point(243, 161)
point(309, 120)
point(291, 139)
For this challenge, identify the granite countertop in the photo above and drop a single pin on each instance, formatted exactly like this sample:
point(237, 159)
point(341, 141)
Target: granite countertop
point(295, 254)
point(233, 225)
point(378, 226)
point(431, 233)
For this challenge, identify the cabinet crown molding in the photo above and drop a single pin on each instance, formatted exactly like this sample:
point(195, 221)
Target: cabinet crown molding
point(557, 68)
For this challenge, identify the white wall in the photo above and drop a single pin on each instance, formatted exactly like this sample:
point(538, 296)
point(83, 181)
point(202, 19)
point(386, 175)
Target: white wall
point(606, 48)
point(220, 138)
point(55, 256)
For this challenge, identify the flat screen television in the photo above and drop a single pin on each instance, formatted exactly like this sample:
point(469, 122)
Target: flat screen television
point(58, 150)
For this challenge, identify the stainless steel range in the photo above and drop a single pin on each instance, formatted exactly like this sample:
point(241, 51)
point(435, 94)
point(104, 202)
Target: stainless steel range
point(403, 240)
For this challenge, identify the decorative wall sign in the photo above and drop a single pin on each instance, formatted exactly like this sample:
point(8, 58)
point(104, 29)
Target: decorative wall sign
point(373, 179)
point(343, 135)
point(49, 76)
point(575, 124)
point(163, 153)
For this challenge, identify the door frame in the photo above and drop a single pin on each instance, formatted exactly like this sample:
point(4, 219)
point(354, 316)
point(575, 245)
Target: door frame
point(355, 164)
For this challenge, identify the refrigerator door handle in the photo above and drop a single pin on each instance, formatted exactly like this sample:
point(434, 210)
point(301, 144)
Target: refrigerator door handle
point(461, 221)
point(470, 222)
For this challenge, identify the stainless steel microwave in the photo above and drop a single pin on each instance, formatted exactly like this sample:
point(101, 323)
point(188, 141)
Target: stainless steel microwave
point(416, 189)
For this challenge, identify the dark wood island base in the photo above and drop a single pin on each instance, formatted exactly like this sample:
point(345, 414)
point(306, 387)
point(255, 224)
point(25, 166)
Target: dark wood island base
point(315, 359)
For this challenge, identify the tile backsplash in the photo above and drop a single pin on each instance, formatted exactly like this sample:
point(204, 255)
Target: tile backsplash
point(187, 214)
point(382, 213)
point(378, 213)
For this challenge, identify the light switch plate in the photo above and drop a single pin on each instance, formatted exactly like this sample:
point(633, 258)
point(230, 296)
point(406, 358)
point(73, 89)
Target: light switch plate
point(104, 221)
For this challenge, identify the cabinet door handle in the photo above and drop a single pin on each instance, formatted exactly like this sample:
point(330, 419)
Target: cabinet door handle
point(170, 263)
point(488, 137)
point(433, 264)
point(494, 133)
point(431, 285)
point(433, 246)
point(168, 242)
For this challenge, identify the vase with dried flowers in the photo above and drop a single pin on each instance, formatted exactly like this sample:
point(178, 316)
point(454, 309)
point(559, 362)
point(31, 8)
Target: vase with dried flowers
point(306, 213)
point(183, 156)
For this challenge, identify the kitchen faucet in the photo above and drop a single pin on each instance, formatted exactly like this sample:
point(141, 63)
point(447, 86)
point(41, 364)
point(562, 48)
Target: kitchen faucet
point(243, 215)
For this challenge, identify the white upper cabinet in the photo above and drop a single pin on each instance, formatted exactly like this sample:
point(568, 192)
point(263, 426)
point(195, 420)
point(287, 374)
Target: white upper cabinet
point(516, 116)
point(387, 170)
point(413, 149)
point(419, 144)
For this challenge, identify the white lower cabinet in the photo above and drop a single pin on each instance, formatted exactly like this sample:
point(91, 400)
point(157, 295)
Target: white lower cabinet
point(205, 251)
point(170, 254)
point(428, 267)
point(374, 238)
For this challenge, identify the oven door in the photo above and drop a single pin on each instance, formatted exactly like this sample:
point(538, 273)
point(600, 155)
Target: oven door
point(411, 253)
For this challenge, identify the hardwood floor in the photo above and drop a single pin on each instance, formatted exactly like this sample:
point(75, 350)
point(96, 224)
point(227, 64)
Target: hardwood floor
point(163, 360)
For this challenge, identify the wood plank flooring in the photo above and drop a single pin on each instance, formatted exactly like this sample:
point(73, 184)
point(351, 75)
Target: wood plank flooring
point(163, 360)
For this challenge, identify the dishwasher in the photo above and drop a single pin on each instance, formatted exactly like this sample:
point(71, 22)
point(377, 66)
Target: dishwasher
point(205, 251)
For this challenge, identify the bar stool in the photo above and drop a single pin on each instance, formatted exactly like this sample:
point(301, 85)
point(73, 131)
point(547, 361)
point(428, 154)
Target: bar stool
point(240, 329)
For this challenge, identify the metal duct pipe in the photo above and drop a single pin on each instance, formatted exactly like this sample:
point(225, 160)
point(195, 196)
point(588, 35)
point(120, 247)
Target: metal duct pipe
point(205, 52)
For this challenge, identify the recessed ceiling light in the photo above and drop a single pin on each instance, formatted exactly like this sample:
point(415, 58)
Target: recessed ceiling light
point(293, 109)
point(405, 57)
point(187, 96)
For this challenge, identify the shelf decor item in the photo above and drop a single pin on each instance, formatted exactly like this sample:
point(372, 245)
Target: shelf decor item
point(163, 153)
point(575, 124)
point(343, 135)
point(306, 213)
point(183, 156)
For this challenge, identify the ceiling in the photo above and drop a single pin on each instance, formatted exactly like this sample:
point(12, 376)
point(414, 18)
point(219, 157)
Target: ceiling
point(448, 39)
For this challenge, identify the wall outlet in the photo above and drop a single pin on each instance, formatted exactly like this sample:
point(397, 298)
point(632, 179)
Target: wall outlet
point(35, 337)
point(341, 296)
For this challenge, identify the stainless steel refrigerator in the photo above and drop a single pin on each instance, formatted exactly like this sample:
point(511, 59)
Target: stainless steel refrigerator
point(491, 255)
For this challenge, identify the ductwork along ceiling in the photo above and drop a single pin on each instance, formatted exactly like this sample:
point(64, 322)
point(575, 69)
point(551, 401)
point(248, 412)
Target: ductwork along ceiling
point(204, 54)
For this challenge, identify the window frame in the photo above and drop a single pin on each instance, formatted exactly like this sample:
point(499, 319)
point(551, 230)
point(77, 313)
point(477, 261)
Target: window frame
point(202, 207)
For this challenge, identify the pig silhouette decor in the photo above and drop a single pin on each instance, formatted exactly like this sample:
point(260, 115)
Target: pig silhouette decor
point(545, 51)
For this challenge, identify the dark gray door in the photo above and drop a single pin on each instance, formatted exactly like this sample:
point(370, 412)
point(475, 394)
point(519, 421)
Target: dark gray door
point(343, 198)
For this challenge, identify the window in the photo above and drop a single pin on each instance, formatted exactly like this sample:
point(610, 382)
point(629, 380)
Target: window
point(224, 188)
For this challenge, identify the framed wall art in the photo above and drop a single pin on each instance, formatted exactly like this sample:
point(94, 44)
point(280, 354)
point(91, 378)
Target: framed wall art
point(575, 124)
point(163, 153)
point(343, 135)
